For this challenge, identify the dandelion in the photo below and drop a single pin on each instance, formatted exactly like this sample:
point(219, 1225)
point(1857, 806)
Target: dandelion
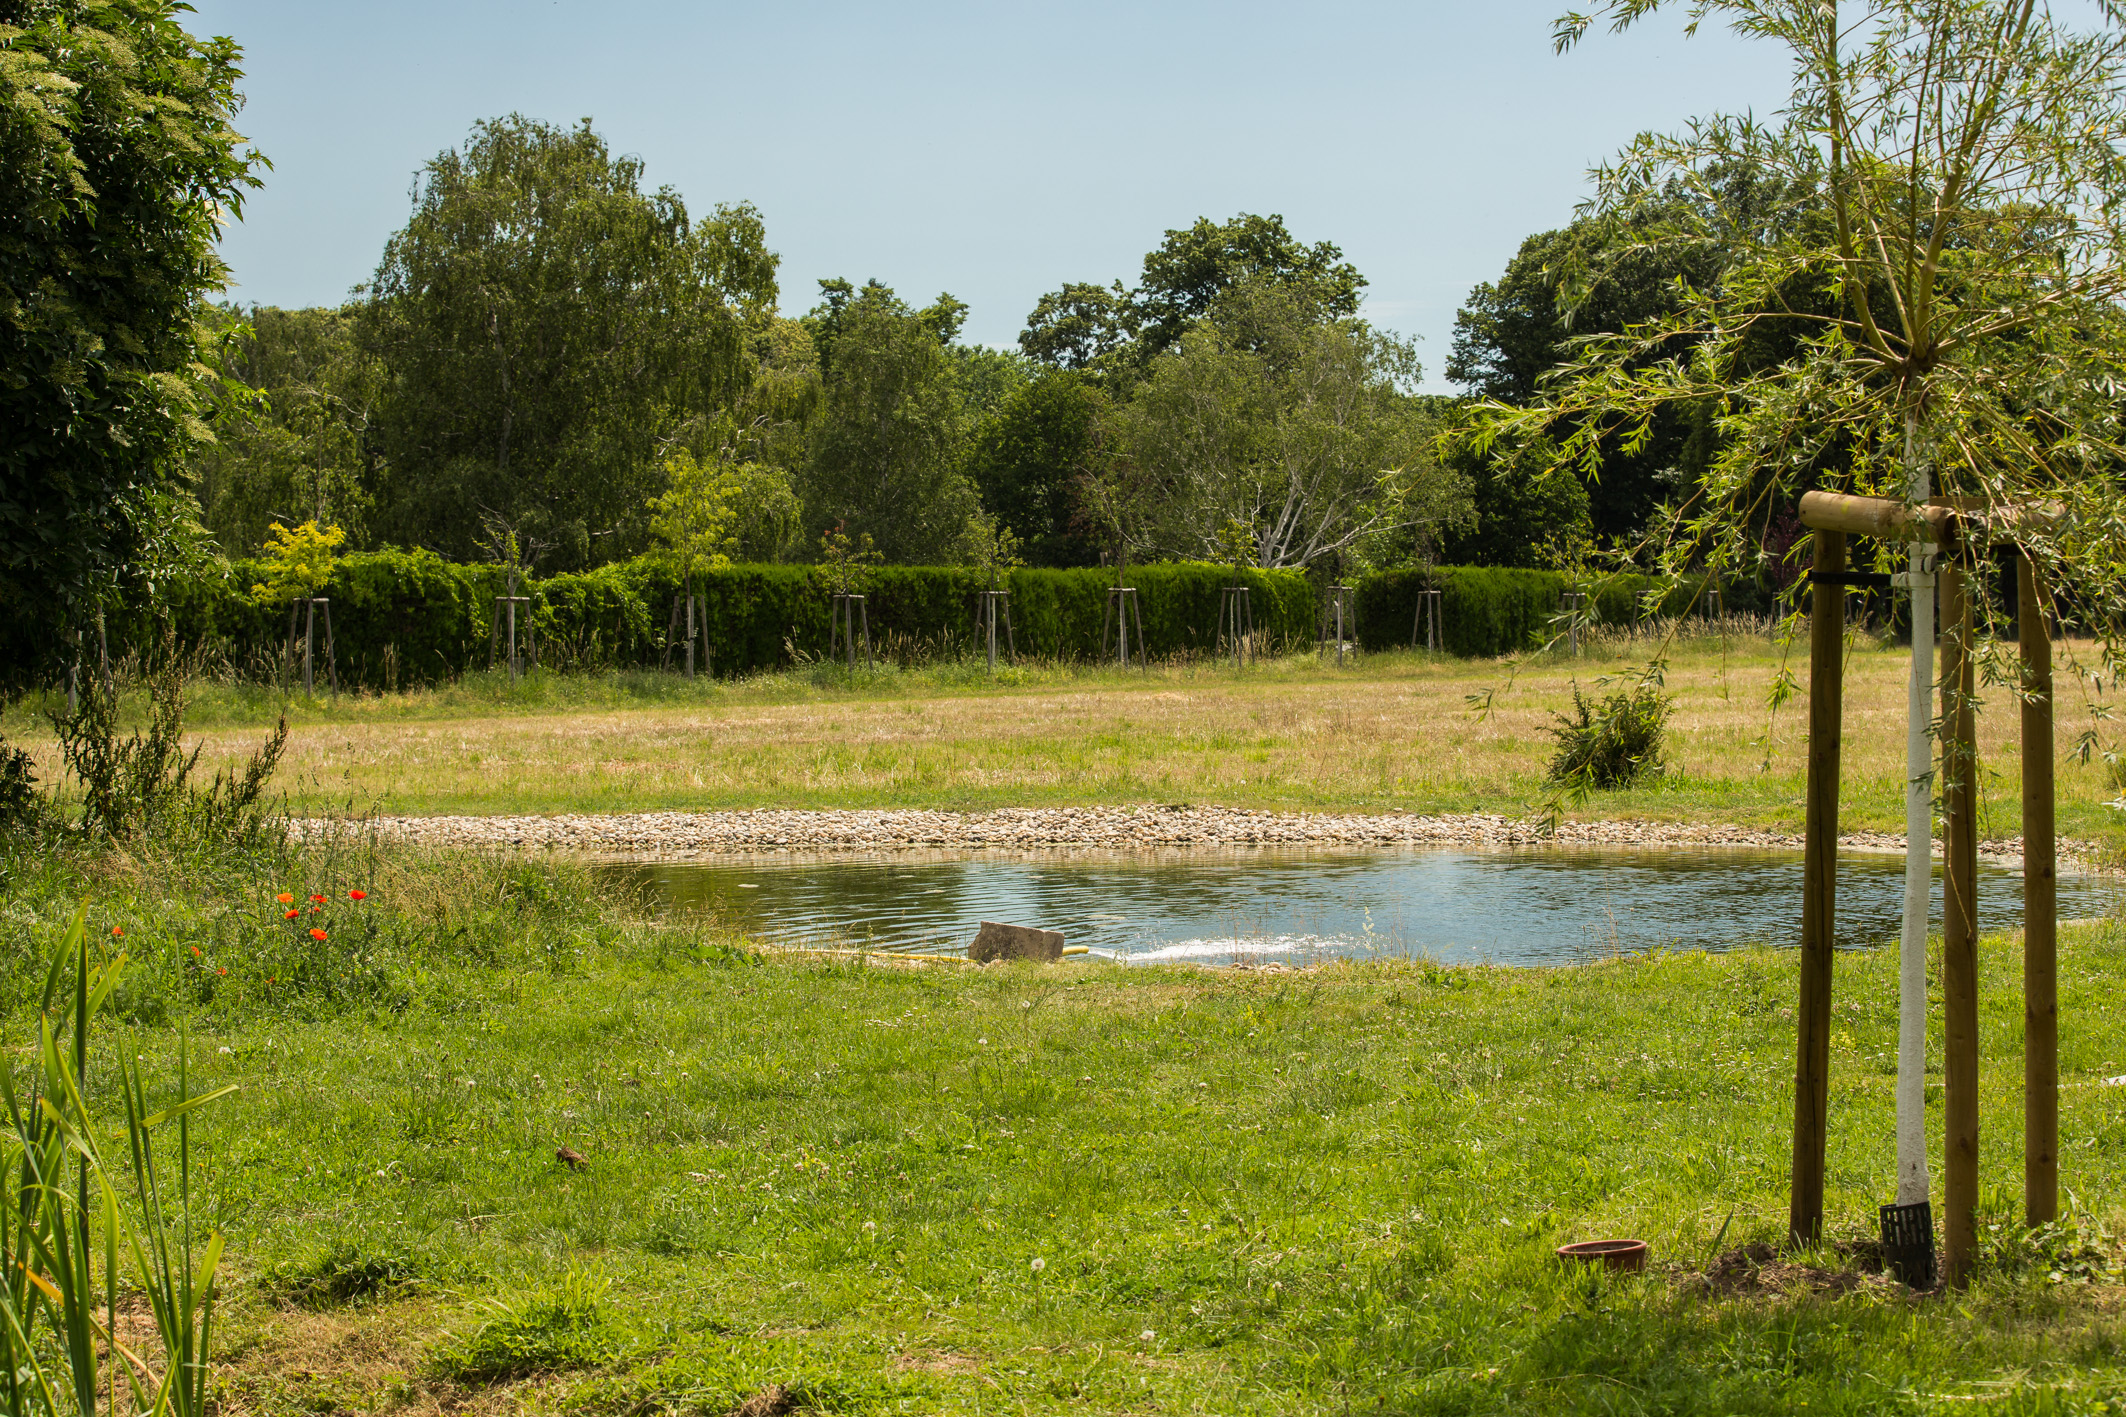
point(285, 898)
point(317, 934)
point(1039, 1264)
point(357, 895)
point(1147, 1336)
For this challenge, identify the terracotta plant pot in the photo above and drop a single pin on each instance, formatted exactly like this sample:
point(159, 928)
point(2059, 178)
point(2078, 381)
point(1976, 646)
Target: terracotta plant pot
point(1623, 1255)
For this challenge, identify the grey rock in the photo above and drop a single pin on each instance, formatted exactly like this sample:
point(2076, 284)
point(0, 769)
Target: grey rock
point(994, 941)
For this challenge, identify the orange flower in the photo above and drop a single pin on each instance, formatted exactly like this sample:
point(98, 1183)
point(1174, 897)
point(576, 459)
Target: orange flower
point(318, 899)
point(291, 915)
point(115, 931)
point(357, 895)
point(317, 934)
point(285, 898)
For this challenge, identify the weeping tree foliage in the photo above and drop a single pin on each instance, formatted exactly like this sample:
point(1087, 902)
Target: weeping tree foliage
point(1913, 285)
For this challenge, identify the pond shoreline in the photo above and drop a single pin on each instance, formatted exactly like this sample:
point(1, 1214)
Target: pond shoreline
point(694, 835)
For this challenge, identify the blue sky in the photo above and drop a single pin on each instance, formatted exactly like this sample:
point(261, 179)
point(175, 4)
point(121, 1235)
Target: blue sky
point(992, 150)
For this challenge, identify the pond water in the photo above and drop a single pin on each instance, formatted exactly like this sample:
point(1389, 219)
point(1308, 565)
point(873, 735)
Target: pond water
point(1525, 906)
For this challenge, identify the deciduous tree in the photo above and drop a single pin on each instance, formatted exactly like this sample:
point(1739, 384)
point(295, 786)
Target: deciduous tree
point(885, 456)
point(118, 161)
point(548, 326)
point(1305, 433)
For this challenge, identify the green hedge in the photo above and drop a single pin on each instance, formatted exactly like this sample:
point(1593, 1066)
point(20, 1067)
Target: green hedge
point(401, 618)
point(1487, 611)
point(410, 617)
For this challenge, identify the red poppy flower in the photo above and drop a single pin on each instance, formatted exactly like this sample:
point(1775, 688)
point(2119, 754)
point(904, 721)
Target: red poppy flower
point(195, 952)
point(317, 934)
point(291, 915)
point(319, 899)
point(115, 931)
point(223, 970)
point(285, 898)
point(357, 895)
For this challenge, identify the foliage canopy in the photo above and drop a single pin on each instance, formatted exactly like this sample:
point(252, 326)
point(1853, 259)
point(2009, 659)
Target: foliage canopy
point(547, 324)
point(1912, 282)
point(117, 163)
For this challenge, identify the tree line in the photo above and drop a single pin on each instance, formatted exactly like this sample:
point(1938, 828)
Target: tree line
point(553, 362)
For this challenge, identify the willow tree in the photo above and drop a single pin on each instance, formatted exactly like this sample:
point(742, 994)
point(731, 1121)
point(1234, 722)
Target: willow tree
point(1929, 239)
point(1913, 291)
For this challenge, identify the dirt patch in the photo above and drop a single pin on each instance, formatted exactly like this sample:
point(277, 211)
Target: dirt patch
point(770, 1401)
point(357, 1360)
point(935, 1362)
point(1760, 1269)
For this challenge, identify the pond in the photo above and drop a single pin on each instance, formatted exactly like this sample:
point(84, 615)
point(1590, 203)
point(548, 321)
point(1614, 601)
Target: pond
point(1509, 906)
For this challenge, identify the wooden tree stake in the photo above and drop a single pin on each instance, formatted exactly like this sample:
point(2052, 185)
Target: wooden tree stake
point(2041, 1021)
point(1959, 950)
point(1812, 1052)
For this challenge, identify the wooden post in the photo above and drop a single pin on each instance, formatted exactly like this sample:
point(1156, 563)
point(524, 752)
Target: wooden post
point(2041, 1020)
point(1427, 618)
point(1121, 605)
point(1573, 604)
point(1959, 947)
point(1812, 1051)
point(332, 659)
point(309, 639)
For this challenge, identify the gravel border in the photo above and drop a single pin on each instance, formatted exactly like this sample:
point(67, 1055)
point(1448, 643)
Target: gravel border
point(682, 835)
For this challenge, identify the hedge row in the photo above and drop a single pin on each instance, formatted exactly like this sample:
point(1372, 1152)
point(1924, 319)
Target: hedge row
point(1486, 611)
point(401, 618)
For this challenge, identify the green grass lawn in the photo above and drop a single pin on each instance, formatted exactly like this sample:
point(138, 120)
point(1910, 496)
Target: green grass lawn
point(1389, 731)
point(819, 1184)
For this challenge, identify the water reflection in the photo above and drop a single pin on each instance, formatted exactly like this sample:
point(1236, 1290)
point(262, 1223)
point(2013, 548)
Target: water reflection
point(1540, 906)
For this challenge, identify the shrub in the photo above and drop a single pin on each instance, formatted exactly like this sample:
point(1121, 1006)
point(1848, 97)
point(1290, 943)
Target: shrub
point(18, 790)
point(1486, 611)
point(142, 783)
point(551, 1330)
point(401, 618)
point(1613, 744)
point(346, 1273)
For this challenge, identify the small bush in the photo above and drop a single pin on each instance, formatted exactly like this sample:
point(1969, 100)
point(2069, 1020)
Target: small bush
point(1614, 744)
point(18, 790)
point(345, 1274)
point(141, 785)
point(552, 1330)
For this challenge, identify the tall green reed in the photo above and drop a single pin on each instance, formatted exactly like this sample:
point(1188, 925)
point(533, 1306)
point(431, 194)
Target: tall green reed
point(57, 1359)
